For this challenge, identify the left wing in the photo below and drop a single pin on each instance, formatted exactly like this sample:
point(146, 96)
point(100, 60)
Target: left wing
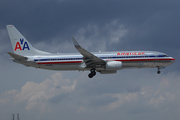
point(90, 59)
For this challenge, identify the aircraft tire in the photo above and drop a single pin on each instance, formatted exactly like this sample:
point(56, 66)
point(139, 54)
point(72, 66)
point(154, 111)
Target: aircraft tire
point(90, 75)
point(158, 72)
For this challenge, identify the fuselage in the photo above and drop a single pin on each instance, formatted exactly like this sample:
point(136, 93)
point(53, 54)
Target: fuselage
point(74, 61)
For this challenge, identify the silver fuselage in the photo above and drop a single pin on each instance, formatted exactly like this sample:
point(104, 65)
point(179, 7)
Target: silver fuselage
point(73, 61)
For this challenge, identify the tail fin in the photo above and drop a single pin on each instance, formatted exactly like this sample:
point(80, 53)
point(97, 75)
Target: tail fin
point(20, 44)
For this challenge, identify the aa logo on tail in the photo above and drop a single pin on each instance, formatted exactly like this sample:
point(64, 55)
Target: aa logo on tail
point(22, 45)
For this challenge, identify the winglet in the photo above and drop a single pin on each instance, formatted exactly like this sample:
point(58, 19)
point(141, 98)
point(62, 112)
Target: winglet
point(75, 42)
point(86, 54)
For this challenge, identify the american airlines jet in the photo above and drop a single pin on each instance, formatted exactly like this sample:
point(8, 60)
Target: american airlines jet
point(103, 62)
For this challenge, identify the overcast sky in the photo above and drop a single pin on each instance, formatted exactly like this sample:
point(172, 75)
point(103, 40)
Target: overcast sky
point(105, 25)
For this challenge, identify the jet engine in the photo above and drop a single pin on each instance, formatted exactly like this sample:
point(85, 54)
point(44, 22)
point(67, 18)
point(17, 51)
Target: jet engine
point(113, 65)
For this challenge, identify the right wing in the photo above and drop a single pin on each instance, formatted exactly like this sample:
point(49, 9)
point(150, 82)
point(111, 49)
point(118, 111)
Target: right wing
point(90, 59)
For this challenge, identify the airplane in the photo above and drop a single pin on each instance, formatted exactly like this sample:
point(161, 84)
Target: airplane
point(103, 62)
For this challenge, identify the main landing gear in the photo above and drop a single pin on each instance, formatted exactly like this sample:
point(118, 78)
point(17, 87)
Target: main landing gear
point(158, 72)
point(93, 73)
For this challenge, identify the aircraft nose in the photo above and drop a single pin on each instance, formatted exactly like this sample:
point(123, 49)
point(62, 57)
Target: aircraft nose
point(173, 60)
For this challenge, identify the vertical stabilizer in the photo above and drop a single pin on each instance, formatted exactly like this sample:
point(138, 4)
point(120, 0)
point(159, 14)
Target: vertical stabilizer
point(20, 44)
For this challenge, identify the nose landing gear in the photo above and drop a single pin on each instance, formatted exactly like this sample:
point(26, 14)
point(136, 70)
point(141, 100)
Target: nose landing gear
point(158, 72)
point(93, 73)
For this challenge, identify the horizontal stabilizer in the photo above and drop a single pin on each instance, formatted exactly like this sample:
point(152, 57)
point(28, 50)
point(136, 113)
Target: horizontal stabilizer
point(15, 56)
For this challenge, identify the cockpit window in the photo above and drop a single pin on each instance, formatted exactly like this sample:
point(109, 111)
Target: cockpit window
point(164, 55)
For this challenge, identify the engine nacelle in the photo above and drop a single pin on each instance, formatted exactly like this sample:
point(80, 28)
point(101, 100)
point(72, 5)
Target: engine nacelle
point(113, 65)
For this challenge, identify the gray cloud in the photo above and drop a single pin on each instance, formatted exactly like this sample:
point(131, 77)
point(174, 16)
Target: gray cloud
point(101, 101)
point(161, 100)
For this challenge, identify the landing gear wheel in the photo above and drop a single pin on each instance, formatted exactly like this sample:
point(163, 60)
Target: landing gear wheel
point(158, 72)
point(93, 73)
point(90, 75)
